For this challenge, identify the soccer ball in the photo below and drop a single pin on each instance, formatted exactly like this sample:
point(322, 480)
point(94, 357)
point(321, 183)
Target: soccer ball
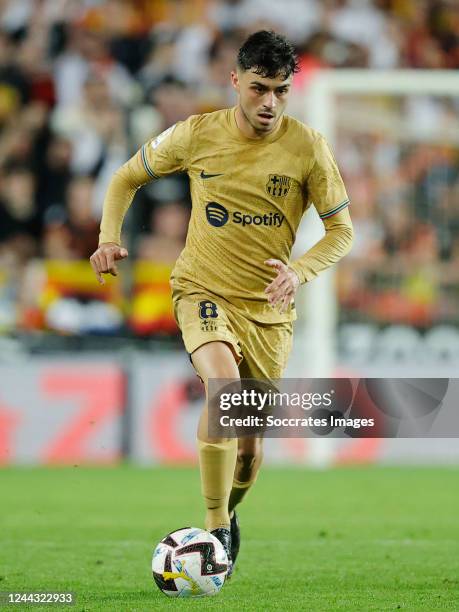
point(189, 562)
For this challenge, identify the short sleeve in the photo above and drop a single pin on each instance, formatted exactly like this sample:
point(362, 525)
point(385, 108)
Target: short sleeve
point(168, 152)
point(324, 184)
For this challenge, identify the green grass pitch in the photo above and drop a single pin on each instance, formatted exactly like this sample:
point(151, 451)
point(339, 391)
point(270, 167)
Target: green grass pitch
point(367, 538)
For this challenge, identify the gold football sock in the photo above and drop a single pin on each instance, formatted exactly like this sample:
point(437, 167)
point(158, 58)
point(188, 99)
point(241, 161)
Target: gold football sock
point(217, 461)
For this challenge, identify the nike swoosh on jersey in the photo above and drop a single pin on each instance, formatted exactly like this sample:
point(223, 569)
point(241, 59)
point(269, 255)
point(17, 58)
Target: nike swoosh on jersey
point(206, 176)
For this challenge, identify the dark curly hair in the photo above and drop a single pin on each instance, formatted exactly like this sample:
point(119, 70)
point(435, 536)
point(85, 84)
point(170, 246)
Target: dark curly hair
point(268, 54)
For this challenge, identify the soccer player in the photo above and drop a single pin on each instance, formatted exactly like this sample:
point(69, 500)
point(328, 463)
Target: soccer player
point(253, 172)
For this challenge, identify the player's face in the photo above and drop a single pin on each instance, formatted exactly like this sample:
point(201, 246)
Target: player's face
point(262, 100)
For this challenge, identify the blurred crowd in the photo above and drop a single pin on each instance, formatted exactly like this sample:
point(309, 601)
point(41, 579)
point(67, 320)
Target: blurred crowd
point(399, 156)
point(83, 83)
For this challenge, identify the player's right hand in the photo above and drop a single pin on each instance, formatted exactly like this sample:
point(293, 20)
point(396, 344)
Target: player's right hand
point(103, 260)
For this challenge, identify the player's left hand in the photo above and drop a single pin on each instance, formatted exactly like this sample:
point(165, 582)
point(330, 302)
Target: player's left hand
point(283, 288)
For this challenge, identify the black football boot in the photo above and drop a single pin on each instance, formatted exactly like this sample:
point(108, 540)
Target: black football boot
point(223, 535)
point(235, 538)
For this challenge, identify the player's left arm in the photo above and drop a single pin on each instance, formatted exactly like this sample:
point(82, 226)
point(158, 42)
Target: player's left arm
point(331, 248)
point(327, 191)
point(336, 243)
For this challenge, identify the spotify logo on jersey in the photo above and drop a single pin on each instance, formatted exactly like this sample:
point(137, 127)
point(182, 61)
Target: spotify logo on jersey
point(216, 214)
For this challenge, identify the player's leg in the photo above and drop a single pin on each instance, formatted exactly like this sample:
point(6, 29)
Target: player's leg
point(266, 349)
point(215, 353)
point(217, 457)
point(248, 462)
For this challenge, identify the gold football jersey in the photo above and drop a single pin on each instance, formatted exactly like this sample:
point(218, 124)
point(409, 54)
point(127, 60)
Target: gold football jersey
point(248, 197)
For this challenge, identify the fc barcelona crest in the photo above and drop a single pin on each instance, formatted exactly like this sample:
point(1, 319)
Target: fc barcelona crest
point(278, 185)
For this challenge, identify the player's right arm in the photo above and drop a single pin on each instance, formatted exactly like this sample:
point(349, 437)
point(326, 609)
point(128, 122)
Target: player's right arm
point(166, 154)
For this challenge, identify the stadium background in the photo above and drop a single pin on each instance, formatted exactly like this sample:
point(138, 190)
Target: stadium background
point(92, 375)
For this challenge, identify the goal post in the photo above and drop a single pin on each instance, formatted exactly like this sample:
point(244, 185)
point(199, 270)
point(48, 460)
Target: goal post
point(314, 352)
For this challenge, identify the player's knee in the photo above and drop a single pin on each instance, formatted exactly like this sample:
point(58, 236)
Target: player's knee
point(215, 360)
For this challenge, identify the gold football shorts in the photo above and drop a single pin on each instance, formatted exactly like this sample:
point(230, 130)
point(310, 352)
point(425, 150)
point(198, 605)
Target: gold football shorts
point(261, 349)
